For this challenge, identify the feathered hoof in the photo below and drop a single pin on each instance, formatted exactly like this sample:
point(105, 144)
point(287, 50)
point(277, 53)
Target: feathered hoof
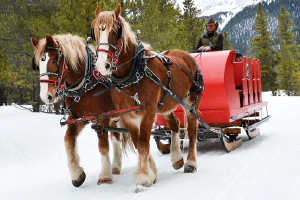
point(104, 180)
point(79, 181)
point(189, 169)
point(116, 171)
point(179, 164)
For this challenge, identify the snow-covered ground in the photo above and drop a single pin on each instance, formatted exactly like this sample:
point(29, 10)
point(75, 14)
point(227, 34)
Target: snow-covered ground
point(33, 163)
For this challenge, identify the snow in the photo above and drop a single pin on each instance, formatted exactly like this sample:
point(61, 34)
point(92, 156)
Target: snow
point(230, 7)
point(34, 164)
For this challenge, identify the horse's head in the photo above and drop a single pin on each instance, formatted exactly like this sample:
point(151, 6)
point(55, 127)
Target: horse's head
point(51, 63)
point(108, 31)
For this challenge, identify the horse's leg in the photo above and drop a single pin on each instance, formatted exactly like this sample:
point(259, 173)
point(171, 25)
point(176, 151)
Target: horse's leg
point(77, 173)
point(176, 156)
point(146, 172)
point(191, 163)
point(106, 170)
point(117, 152)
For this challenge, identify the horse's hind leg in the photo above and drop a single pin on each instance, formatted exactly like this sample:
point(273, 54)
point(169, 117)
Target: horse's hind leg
point(191, 163)
point(176, 156)
point(77, 173)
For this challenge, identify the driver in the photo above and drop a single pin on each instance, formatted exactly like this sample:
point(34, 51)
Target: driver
point(211, 40)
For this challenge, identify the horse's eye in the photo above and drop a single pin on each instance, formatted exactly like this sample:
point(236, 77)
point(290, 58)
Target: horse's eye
point(115, 33)
point(53, 62)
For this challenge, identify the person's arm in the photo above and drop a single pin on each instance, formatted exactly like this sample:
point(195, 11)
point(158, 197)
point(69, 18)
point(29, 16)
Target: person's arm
point(199, 43)
point(219, 45)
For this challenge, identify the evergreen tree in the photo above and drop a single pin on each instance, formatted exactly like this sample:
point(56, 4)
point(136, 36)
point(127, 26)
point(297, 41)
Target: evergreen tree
point(227, 44)
point(289, 59)
point(157, 20)
point(191, 26)
point(262, 47)
point(285, 26)
point(5, 77)
point(76, 16)
point(22, 20)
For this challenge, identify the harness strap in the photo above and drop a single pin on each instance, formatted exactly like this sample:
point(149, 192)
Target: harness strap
point(48, 81)
point(166, 63)
point(154, 78)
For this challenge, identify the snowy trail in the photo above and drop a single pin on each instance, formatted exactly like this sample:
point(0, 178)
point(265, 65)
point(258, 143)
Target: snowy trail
point(34, 166)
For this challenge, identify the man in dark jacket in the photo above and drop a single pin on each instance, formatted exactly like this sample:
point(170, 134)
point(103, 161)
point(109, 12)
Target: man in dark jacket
point(211, 40)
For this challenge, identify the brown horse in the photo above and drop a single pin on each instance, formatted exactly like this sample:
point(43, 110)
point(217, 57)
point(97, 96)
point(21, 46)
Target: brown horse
point(116, 53)
point(50, 53)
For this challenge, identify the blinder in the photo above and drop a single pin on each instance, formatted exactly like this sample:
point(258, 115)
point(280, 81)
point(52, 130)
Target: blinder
point(34, 65)
point(92, 33)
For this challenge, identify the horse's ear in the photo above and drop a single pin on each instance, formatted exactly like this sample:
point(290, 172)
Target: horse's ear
point(50, 41)
point(118, 11)
point(34, 42)
point(98, 11)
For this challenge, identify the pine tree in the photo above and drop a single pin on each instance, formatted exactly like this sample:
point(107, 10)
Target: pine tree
point(5, 77)
point(289, 63)
point(22, 20)
point(157, 21)
point(76, 16)
point(285, 25)
point(191, 26)
point(227, 44)
point(262, 47)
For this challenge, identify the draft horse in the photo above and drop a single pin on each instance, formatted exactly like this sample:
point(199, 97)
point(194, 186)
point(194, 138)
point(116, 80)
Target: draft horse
point(118, 49)
point(61, 61)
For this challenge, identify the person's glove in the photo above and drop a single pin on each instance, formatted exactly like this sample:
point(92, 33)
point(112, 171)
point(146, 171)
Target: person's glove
point(206, 49)
point(201, 48)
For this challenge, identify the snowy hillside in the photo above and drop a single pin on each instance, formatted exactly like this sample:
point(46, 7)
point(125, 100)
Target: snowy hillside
point(228, 8)
point(238, 17)
point(34, 165)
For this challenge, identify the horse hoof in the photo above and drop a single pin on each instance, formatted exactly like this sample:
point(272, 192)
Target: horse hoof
point(178, 164)
point(104, 180)
point(116, 171)
point(189, 169)
point(79, 181)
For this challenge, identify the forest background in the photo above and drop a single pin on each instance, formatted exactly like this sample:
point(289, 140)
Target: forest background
point(162, 23)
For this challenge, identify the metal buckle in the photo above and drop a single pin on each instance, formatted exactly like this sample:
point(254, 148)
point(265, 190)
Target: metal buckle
point(169, 73)
point(136, 98)
point(76, 99)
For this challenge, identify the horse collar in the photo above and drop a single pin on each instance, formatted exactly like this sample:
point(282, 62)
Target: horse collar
point(136, 70)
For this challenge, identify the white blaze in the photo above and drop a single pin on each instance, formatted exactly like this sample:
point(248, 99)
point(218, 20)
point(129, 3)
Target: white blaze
point(102, 57)
point(44, 86)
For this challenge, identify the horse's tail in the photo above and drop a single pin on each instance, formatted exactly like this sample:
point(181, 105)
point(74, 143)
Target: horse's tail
point(126, 142)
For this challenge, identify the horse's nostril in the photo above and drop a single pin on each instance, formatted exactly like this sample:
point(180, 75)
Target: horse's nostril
point(50, 97)
point(107, 66)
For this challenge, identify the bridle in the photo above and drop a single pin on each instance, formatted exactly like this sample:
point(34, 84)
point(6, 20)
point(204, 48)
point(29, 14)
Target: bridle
point(57, 82)
point(117, 47)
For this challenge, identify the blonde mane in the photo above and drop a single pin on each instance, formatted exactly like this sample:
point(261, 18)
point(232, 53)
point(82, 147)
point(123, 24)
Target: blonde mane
point(109, 18)
point(72, 47)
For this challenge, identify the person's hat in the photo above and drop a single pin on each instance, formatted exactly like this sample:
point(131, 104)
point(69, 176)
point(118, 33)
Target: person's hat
point(238, 55)
point(212, 21)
